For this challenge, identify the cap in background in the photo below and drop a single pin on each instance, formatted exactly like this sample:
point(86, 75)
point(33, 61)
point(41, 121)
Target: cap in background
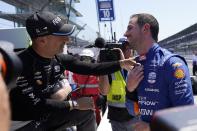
point(123, 40)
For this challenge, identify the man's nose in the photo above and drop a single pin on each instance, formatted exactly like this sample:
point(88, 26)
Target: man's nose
point(125, 34)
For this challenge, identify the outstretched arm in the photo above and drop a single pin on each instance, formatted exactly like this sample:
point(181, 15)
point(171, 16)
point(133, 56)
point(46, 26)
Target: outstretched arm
point(75, 65)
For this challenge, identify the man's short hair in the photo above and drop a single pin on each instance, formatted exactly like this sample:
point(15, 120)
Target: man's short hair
point(144, 18)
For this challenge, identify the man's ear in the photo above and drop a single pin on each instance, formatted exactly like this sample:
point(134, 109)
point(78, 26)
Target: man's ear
point(146, 27)
point(42, 40)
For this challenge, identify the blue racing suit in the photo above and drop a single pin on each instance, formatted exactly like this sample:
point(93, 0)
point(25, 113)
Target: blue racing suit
point(166, 82)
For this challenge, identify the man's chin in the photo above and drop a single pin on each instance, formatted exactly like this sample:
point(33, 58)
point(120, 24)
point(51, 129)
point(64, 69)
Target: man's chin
point(131, 45)
point(60, 51)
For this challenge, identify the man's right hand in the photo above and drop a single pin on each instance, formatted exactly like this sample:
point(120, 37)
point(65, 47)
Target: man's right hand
point(134, 77)
point(85, 103)
point(62, 93)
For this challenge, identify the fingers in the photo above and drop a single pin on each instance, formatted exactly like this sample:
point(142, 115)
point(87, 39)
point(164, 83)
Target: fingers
point(128, 63)
point(137, 71)
point(128, 68)
point(132, 61)
point(140, 76)
point(134, 77)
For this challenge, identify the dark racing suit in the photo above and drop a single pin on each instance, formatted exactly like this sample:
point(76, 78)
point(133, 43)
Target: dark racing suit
point(42, 77)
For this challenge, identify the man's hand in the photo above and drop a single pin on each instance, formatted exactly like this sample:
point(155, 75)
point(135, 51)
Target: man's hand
point(128, 64)
point(62, 93)
point(85, 103)
point(134, 77)
point(121, 53)
point(4, 107)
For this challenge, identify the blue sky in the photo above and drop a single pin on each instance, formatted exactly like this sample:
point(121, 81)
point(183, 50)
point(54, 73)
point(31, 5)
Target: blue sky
point(173, 15)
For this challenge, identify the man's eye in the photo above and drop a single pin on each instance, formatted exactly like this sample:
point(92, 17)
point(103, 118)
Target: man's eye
point(129, 28)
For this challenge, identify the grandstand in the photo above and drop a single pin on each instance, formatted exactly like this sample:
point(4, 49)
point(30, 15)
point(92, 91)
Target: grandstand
point(183, 42)
point(23, 8)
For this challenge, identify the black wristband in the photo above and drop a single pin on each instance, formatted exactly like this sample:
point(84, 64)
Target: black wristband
point(132, 95)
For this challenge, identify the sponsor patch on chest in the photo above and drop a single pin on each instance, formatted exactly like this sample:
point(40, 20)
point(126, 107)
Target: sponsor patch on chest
point(152, 77)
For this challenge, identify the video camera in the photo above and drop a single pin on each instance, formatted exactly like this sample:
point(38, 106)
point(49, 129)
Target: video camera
point(108, 53)
point(10, 64)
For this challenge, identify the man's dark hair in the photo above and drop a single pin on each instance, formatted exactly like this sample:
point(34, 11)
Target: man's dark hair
point(144, 18)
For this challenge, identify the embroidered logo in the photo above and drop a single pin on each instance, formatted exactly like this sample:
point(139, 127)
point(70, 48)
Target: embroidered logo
point(179, 74)
point(177, 64)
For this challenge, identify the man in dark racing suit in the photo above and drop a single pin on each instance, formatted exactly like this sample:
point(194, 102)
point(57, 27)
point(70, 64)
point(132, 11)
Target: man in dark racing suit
point(42, 90)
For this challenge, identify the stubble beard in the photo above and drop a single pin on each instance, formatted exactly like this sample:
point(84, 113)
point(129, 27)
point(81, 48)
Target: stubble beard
point(132, 45)
point(61, 48)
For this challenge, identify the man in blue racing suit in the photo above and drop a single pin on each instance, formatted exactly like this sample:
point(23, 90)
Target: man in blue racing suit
point(163, 79)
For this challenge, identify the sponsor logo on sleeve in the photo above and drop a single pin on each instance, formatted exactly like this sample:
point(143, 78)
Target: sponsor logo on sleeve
point(179, 73)
point(57, 68)
point(180, 87)
point(177, 64)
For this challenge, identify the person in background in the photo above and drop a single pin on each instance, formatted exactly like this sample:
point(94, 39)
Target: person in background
point(87, 85)
point(162, 81)
point(194, 64)
point(113, 85)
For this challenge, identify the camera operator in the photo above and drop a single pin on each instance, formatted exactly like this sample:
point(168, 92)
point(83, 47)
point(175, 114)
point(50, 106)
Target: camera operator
point(114, 86)
point(87, 85)
point(10, 67)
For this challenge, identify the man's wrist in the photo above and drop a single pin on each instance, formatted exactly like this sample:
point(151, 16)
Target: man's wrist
point(132, 95)
point(130, 89)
